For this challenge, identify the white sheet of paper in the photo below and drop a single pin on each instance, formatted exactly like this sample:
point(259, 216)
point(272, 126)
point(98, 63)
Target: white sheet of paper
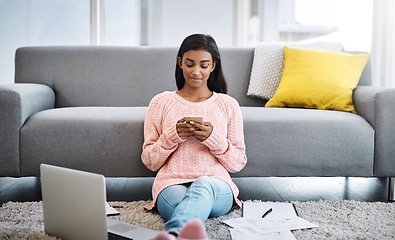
point(257, 209)
point(271, 223)
point(110, 210)
point(236, 234)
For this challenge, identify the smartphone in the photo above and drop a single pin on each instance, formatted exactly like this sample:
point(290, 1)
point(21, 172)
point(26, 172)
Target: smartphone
point(197, 119)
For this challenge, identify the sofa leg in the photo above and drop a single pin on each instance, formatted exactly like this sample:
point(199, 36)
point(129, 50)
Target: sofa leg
point(391, 189)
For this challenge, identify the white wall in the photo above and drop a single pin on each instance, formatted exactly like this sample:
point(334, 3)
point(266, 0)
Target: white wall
point(170, 21)
point(122, 20)
point(40, 22)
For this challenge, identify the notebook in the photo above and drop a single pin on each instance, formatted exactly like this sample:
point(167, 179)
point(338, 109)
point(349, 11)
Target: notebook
point(74, 205)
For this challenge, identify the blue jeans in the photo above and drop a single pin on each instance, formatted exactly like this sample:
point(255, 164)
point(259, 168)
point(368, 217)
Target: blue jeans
point(205, 197)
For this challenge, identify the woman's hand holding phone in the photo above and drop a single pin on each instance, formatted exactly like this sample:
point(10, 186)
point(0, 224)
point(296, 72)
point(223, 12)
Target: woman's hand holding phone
point(184, 129)
point(202, 131)
point(194, 126)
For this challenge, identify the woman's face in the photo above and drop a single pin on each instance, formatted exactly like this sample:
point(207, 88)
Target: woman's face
point(197, 66)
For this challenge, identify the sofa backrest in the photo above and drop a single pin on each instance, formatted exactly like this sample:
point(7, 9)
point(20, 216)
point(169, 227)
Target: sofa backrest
point(124, 76)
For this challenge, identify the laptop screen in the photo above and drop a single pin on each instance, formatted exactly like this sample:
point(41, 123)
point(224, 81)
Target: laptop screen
point(73, 203)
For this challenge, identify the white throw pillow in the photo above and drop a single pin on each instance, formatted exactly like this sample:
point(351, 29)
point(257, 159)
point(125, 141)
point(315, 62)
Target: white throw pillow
point(268, 64)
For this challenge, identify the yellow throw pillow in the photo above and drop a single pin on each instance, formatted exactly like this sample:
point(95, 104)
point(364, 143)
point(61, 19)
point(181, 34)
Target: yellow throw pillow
point(318, 79)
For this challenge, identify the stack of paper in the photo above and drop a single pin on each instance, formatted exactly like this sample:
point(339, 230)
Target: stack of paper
point(110, 210)
point(278, 221)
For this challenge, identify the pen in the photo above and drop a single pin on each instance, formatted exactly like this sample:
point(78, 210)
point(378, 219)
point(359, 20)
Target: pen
point(267, 212)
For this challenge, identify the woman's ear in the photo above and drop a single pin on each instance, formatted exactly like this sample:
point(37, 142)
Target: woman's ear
point(213, 66)
point(179, 60)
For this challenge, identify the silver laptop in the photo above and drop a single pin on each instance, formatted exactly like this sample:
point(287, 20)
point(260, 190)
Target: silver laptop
point(74, 204)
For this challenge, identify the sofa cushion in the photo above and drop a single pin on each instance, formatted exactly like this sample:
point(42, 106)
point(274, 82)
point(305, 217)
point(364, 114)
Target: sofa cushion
point(99, 75)
point(279, 142)
point(318, 79)
point(306, 142)
point(106, 140)
point(119, 76)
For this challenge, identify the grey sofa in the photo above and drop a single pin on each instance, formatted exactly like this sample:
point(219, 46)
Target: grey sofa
point(84, 108)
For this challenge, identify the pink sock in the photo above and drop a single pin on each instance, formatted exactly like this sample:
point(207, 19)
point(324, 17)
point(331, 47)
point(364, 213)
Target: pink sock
point(193, 230)
point(165, 236)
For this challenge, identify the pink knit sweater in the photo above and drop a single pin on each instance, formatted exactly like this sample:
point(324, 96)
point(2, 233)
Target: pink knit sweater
point(181, 161)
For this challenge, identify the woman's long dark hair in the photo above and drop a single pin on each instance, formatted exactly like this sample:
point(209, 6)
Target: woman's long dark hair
point(216, 82)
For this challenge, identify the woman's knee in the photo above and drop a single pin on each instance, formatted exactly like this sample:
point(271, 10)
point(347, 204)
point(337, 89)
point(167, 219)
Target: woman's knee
point(204, 180)
point(164, 208)
point(168, 200)
point(220, 192)
point(217, 185)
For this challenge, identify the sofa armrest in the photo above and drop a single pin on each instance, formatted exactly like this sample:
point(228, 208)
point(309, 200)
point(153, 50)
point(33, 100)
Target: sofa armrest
point(17, 103)
point(364, 98)
point(377, 106)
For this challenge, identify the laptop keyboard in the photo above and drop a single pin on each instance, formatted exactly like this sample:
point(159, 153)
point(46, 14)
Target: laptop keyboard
point(113, 236)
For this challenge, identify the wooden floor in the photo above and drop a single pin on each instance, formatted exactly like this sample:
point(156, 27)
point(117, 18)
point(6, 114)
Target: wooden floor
point(266, 189)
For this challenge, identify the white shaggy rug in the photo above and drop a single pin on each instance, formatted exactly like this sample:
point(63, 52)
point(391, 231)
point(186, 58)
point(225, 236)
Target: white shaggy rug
point(337, 220)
